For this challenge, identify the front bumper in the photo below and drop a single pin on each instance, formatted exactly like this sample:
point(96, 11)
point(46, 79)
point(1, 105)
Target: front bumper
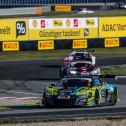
point(72, 101)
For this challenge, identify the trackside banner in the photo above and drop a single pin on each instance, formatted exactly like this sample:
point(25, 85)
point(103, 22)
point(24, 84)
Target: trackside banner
point(112, 27)
point(79, 44)
point(10, 46)
point(63, 28)
point(43, 45)
point(62, 8)
point(13, 29)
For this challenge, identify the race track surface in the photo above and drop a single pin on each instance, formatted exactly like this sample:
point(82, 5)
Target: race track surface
point(43, 69)
point(28, 78)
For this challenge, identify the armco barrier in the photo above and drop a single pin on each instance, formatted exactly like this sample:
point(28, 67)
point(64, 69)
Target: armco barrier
point(64, 44)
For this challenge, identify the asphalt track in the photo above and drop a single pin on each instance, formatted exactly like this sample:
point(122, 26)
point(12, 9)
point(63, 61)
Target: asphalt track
point(43, 69)
point(28, 78)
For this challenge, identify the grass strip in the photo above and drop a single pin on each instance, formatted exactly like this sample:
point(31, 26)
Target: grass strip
point(116, 70)
point(58, 54)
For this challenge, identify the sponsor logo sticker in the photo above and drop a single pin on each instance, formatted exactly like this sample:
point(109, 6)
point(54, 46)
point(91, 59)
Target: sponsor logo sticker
point(42, 45)
point(10, 46)
point(79, 44)
point(42, 23)
point(111, 42)
point(20, 28)
point(75, 22)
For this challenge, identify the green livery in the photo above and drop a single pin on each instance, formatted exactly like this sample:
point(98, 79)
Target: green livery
point(80, 91)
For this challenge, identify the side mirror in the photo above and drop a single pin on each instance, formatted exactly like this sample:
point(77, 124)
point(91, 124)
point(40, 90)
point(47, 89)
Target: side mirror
point(89, 85)
point(52, 85)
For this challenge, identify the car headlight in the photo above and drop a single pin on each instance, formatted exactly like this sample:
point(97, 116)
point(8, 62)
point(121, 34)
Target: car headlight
point(83, 95)
point(48, 95)
point(87, 95)
point(73, 72)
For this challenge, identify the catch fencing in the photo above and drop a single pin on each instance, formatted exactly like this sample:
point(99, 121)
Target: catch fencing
point(53, 2)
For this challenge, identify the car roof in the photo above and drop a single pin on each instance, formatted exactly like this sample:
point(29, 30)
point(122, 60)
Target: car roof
point(74, 52)
point(81, 76)
point(80, 61)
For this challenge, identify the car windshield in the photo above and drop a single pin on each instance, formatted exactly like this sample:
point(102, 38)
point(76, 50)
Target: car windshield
point(74, 83)
point(86, 55)
point(86, 65)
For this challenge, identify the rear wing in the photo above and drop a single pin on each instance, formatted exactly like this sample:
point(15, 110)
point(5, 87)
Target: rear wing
point(99, 76)
point(85, 50)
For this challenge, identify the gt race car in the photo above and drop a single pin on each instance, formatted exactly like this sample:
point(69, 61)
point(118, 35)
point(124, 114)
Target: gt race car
point(79, 68)
point(80, 91)
point(80, 55)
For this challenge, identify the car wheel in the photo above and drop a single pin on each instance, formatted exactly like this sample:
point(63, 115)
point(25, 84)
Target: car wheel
point(46, 103)
point(113, 99)
point(62, 72)
point(96, 99)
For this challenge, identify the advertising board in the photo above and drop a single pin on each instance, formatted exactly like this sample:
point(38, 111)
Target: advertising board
point(111, 42)
point(62, 8)
point(63, 28)
point(43, 45)
point(79, 44)
point(112, 27)
point(13, 29)
point(10, 46)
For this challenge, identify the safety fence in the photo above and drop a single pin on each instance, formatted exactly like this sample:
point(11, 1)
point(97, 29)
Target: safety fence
point(50, 2)
point(61, 33)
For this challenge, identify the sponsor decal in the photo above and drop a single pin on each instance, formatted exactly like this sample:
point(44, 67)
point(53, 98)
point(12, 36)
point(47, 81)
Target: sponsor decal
point(86, 32)
point(62, 8)
point(5, 30)
point(35, 23)
point(68, 22)
point(42, 23)
point(75, 22)
point(57, 23)
point(112, 42)
point(20, 28)
point(90, 22)
point(42, 45)
point(10, 46)
point(112, 27)
point(60, 34)
point(79, 44)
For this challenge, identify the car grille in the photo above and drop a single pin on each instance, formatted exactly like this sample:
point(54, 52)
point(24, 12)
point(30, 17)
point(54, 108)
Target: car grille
point(64, 102)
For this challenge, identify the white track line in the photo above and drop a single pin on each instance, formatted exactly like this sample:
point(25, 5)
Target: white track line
point(23, 98)
point(20, 92)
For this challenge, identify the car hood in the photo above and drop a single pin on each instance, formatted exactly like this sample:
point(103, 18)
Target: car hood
point(72, 90)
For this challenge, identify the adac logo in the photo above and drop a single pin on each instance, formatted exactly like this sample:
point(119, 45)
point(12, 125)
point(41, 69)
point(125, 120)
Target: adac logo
point(34, 23)
point(90, 22)
point(68, 23)
point(20, 28)
point(57, 23)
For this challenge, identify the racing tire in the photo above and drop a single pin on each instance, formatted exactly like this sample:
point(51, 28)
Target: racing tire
point(113, 99)
point(63, 72)
point(46, 104)
point(96, 99)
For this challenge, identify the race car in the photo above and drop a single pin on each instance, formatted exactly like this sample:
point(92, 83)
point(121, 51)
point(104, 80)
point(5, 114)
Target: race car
point(80, 55)
point(80, 91)
point(79, 68)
